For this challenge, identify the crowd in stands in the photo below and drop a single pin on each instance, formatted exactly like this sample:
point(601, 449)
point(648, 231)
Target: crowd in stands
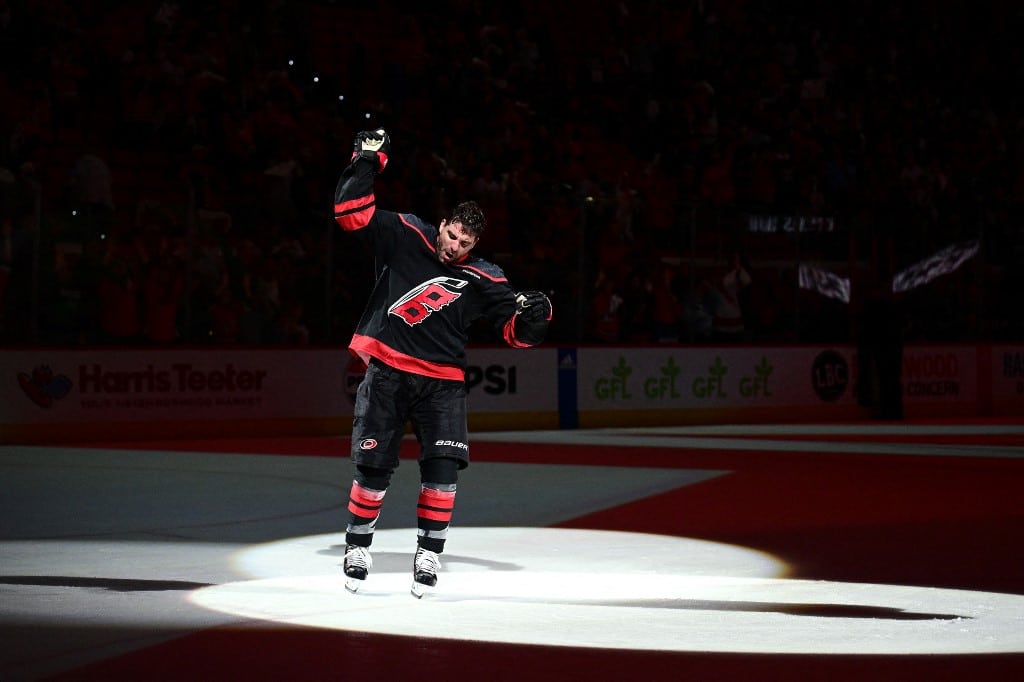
point(179, 160)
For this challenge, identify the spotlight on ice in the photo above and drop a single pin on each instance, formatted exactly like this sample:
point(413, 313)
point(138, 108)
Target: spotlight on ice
point(563, 587)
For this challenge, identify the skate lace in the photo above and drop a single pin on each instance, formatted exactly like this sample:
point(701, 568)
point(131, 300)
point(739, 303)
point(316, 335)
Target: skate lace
point(427, 561)
point(358, 557)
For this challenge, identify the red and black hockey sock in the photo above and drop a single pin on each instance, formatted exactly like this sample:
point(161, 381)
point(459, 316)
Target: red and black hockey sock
point(434, 515)
point(438, 476)
point(364, 504)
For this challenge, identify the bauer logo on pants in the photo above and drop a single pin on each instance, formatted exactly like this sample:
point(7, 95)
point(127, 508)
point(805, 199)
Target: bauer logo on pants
point(452, 443)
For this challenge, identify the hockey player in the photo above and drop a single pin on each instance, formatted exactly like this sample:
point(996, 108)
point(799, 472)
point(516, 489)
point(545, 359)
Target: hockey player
point(413, 336)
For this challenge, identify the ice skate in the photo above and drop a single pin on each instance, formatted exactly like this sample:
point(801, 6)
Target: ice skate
point(357, 565)
point(425, 566)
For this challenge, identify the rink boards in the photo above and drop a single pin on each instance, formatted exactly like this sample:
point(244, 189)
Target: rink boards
point(51, 394)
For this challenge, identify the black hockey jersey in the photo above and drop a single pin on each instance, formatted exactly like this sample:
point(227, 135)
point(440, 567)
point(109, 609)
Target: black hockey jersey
point(420, 311)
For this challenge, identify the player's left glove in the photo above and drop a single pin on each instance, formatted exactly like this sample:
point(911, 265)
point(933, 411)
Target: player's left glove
point(374, 146)
point(529, 324)
point(533, 306)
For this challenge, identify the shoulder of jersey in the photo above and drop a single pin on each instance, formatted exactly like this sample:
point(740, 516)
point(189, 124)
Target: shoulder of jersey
point(482, 269)
point(421, 226)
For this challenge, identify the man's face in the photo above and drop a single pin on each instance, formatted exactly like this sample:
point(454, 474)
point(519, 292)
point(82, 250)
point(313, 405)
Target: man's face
point(453, 242)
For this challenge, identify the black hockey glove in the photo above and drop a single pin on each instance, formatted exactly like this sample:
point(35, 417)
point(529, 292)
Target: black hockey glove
point(530, 322)
point(533, 307)
point(374, 146)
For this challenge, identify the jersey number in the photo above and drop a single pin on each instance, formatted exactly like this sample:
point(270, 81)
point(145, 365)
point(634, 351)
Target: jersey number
point(418, 303)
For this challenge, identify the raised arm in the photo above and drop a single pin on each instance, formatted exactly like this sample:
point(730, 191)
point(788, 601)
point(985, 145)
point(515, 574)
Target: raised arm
point(354, 201)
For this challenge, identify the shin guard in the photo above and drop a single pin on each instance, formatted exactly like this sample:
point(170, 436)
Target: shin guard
point(434, 515)
point(364, 509)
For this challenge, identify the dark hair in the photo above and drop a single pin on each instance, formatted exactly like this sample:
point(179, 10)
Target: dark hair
point(471, 216)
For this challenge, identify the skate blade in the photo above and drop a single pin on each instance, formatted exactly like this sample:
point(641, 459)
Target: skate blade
point(353, 584)
point(419, 589)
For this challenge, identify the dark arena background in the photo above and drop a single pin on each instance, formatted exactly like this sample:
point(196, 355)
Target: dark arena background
point(775, 432)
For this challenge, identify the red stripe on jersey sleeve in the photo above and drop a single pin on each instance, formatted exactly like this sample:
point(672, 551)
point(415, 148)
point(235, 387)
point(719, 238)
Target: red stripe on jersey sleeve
point(509, 333)
point(355, 214)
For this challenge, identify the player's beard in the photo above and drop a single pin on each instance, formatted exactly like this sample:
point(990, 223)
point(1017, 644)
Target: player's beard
point(443, 255)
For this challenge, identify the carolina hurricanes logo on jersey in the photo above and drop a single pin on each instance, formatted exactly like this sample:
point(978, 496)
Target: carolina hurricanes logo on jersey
point(419, 302)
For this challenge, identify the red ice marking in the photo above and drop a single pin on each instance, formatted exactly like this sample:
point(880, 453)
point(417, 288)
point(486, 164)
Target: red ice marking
point(279, 652)
point(934, 521)
point(1005, 439)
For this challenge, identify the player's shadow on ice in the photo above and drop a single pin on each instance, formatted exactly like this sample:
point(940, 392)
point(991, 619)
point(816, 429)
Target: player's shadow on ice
point(793, 609)
point(815, 610)
point(108, 584)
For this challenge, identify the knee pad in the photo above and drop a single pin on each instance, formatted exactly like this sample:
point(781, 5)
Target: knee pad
point(373, 478)
point(439, 470)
